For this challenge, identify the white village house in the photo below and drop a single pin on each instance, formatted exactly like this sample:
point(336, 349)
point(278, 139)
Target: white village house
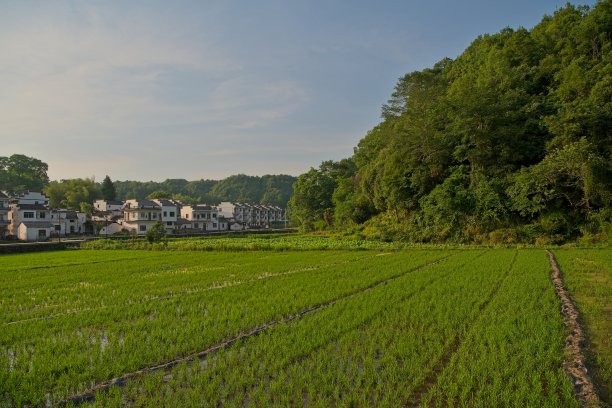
point(108, 205)
point(141, 215)
point(169, 213)
point(66, 222)
point(202, 217)
point(30, 217)
point(251, 215)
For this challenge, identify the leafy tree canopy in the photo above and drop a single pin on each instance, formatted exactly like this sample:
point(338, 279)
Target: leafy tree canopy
point(20, 173)
point(512, 140)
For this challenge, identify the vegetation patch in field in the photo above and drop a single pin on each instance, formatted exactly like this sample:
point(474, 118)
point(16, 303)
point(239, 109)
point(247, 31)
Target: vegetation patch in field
point(588, 276)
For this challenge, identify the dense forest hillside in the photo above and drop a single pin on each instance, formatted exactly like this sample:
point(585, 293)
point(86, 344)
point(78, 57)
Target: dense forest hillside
point(510, 142)
point(20, 173)
point(268, 189)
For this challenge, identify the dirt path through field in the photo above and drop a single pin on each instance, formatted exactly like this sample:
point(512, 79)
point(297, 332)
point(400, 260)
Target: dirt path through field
point(573, 366)
point(89, 395)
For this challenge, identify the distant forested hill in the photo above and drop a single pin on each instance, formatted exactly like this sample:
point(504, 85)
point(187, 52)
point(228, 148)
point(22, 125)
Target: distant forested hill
point(268, 189)
point(509, 142)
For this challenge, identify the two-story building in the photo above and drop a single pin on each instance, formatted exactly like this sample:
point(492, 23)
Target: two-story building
point(141, 215)
point(202, 217)
point(170, 211)
point(30, 217)
point(66, 222)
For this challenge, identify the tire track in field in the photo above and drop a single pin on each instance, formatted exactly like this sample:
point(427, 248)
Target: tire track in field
point(432, 377)
point(574, 365)
point(214, 286)
point(89, 395)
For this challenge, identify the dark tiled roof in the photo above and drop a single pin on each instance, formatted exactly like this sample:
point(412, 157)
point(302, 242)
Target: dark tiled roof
point(2, 195)
point(142, 204)
point(111, 202)
point(37, 224)
point(102, 213)
point(32, 207)
point(166, 202)
point(71, 215)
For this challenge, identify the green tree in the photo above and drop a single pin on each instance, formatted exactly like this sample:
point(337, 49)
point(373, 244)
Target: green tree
point(72, 192)
point(86, 208)
point(312, 199)
point(109, 193)
point(157, 233)
point(159, 194)
point(20, 173)
point(510, 139)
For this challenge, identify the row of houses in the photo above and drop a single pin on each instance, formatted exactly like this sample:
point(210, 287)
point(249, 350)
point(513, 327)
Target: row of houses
point(29, 218)
point(141, 215)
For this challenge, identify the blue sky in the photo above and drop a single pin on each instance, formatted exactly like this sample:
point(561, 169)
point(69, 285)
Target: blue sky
point(148, 90)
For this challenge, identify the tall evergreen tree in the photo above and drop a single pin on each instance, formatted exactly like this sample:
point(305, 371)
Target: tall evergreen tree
point(108, 189)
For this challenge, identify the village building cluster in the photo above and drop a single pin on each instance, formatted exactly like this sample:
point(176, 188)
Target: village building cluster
point(28, 217)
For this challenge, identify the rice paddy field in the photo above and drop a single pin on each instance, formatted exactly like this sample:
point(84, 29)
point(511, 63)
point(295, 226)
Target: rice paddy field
point(317, 328)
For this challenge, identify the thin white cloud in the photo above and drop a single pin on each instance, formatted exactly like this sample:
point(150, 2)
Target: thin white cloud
point(97, 78)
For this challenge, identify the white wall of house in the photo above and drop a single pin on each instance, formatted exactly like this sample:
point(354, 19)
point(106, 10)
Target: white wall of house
point(103, 205)
point(202, 217)
point(110, 229)
point(141, 215)
point(235, 226)
point(26, 212)
point(251, 215)
point(169, 213)
point(67, 222)
point(26, 233)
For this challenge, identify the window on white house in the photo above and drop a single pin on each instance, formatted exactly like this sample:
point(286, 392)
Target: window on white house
point(196, 225)
point(169, 223)
point(42, 214)
point(165, 214)
point(28, 214)
point(172, 213)
point(142, 227)
point(214, 225)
